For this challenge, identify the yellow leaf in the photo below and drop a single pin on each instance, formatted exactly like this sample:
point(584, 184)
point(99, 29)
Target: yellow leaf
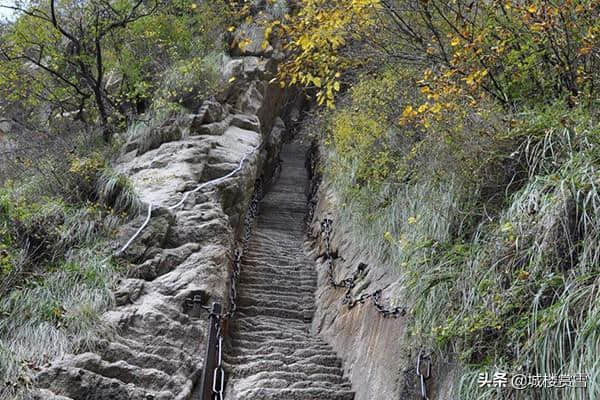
point(317, 81)
point(532, 8)
point(436, 108)
point(408, 112)
point(320, 98)
point(455, 41)
point(232, 79)
point(336, 86)
point(231, 28)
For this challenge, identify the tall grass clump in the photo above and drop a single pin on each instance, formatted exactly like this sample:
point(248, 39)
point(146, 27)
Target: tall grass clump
point(53, 314)
point(181, 89)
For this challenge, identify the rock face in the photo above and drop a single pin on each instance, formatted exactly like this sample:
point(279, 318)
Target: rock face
point(272, 353)
point(184, 252)
point(379, 355)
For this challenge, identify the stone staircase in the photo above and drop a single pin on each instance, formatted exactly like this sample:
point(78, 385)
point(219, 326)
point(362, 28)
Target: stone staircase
point(272, 353)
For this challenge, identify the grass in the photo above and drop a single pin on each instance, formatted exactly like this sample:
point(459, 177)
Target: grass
point(501, 270)
point(54, 314)
point(116, 191)
point(55, 276)
point(183, 87)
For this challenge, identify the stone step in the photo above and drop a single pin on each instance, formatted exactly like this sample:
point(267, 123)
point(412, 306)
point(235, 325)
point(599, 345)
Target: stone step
point(290, 297)
point(271, 352)
point(282, 288)
point(295, 394)
point(284, 379)
point(319, 366)
point(270, 322)
point(276, 279)
point(241, 346)
point(74, 383)
point(287, 313)
point(115, 352)
point(290, 358)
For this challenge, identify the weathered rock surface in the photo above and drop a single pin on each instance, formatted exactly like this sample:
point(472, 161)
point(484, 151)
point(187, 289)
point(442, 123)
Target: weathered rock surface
point(273, 354)
point(378, 357)
point(156, 348)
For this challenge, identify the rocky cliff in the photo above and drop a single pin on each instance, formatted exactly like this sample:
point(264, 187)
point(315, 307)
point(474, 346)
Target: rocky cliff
point(184, 250)
point(361, 308)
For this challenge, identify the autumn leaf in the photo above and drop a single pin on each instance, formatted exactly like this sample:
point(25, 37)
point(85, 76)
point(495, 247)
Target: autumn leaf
point(408, 112)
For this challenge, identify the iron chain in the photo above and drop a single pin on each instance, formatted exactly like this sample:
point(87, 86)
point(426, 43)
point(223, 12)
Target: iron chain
point(350, 283)
point(218, 385)
point(424, 373)
point(253, 209)
point(219, 373)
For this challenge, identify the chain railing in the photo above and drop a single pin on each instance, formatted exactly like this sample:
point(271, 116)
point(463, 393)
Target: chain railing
point(212, 383)
point(152, 206)
point(350, 283)
point(423, 372)
point(424, 362)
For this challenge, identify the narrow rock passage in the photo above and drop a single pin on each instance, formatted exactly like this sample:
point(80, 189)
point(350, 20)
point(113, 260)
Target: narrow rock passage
point(273, 354)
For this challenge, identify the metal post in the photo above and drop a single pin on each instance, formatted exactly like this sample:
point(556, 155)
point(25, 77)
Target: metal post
point(206, 383)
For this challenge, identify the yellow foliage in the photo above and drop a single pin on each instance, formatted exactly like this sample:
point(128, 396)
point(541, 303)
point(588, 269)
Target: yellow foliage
point(314, 37)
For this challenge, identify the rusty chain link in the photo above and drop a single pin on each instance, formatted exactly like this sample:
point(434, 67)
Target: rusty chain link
point(425, 374)
point(350, 283)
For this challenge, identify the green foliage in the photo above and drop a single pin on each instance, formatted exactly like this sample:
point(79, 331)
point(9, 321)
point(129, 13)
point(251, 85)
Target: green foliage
point(492, 223)
point(187, 83)
point(182, 36)
point(314, 36)
point(363, 132)
point(98, 59)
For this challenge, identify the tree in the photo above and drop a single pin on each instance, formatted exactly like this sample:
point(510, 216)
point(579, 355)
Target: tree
point(315, 37)
point(55, 52)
